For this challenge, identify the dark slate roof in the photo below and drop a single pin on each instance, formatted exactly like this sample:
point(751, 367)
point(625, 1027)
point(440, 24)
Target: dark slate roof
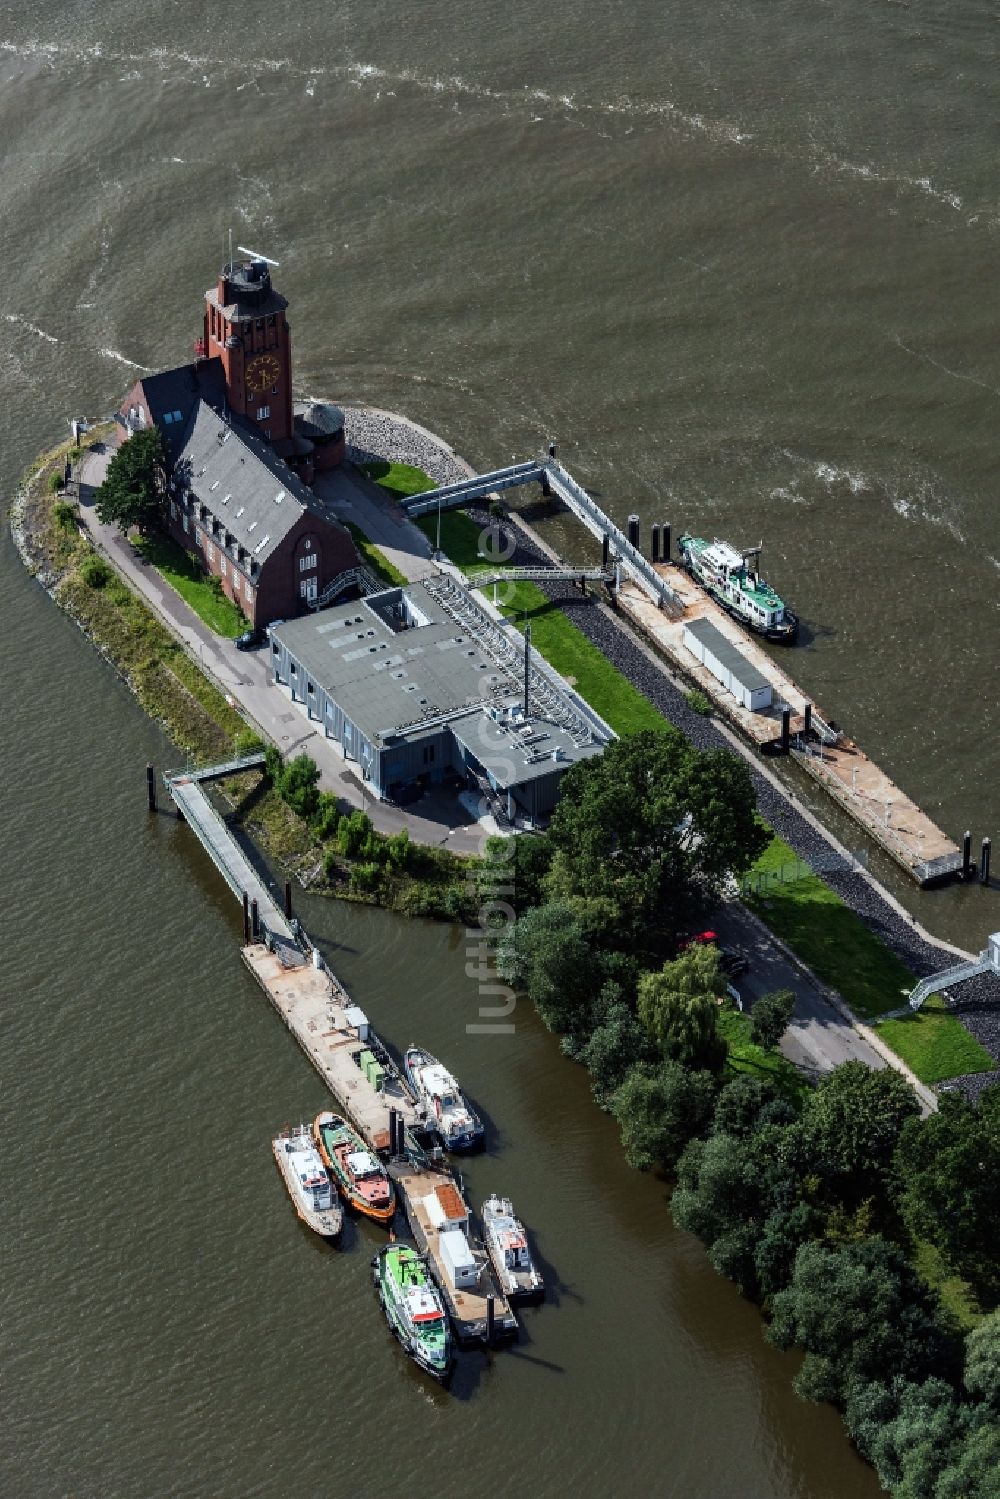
point(231, 470)
point(319, 419)
point(172, 395)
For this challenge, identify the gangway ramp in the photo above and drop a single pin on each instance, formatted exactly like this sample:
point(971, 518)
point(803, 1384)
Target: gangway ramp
point(191, 801)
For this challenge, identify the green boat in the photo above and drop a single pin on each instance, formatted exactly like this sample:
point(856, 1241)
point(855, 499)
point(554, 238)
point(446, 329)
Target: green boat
point(733, 579)
point(413, 1308)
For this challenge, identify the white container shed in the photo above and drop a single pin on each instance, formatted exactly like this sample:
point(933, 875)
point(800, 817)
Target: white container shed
point(728, 665)
point(459, 1260)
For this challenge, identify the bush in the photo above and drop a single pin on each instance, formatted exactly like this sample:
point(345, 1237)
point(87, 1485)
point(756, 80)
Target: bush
point(698, 702)
point(352, 833)
point(55, 483)
point(95, 572)
point(327, 818)
point(366, 878)
point(65, 514)
point(246, 742)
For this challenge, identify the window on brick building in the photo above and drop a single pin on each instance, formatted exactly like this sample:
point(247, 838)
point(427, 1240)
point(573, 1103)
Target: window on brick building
point(263, 412)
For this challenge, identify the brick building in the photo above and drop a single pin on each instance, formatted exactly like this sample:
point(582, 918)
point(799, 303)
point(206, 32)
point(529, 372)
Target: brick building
point(239, 460)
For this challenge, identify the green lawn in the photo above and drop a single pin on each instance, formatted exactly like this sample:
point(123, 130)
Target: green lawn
point(459, 539)
point(377, 561)
point(400, 478)
point(744, 1056)
point(934, 1043)
point(185, 575)
point(835, 943)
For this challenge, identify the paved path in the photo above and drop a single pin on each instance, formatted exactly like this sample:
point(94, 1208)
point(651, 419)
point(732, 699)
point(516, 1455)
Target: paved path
point(823, 1033)
point(349, 496)
point(245, 677)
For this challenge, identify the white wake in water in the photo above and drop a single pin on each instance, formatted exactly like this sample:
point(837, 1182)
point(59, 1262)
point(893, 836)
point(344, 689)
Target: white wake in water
point(22, 322)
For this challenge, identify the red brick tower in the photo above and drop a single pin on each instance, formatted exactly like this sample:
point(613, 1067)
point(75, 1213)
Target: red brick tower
point(245, 327)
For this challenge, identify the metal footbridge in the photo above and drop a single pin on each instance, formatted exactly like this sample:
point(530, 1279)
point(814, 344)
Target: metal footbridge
point(542, 575)
point(988, 961)
point(186, 791)
point(557, 481)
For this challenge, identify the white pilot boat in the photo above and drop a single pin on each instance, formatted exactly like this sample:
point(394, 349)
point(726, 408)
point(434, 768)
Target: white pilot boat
point(447, 1109)
point(507, 1246)
point(313, 1194)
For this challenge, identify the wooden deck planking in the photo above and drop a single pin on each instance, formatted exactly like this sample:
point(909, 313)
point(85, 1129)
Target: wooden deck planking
point(313, 1005)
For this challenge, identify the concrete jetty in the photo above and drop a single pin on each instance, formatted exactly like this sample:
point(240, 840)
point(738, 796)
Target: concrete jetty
point(318, 1012)
point(854, 781)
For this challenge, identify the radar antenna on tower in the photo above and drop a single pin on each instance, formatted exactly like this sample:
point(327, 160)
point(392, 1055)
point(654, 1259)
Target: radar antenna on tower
point(255, 256)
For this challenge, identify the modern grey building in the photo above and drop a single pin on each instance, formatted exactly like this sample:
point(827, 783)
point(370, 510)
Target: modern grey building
point(420, 682)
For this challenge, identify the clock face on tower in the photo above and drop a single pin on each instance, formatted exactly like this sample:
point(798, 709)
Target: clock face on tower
point(263, 371)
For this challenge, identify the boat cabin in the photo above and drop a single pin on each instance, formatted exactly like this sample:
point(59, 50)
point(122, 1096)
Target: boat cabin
point(514, 1249)
point(441, 1086)
point(361, 1163)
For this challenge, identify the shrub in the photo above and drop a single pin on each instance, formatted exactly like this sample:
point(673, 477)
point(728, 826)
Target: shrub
point(65, 513)
point(398, 848)
point(55, 483)
point(366, 878)
point(246, 742)
point(95, 572)
point(698, 702)
point(352, 833)
point(327, 818)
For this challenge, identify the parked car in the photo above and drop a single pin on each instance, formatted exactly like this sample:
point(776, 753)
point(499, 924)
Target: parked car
point(731, 960)
point(249, 640)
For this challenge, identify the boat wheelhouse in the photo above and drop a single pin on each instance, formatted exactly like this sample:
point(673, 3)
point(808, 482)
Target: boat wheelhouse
point(361, 1178)
point(413, 1308)
point(507, 1246)
point(733, 579)
point(308, 1181)
point(447, 1109)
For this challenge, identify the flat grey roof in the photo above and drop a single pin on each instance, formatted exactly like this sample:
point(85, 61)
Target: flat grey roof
point(408, 683)
point(731, 657)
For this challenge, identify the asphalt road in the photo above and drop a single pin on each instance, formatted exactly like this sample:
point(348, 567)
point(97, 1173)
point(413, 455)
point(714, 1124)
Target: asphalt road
point(819, 1038)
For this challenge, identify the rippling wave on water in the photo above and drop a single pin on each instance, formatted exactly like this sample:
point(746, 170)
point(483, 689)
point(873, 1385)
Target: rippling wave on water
point(743, 271)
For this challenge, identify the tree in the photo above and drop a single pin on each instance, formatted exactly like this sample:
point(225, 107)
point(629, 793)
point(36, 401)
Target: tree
point(131, 492)
point(746, 1104)
point(513, 869)
point(658, 827)
point(617, 1043)
point(770, 1016)
point(547, 952)
point(975, 1464)
point(679, 1008)
point(947, 1175)
point(982, 1361)
point(906, 1431)
point(299, 784)
point(853, 1120)
point(860, 1314)
point(660, 1110)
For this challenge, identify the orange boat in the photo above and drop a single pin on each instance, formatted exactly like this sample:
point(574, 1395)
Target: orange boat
point(360, 1176)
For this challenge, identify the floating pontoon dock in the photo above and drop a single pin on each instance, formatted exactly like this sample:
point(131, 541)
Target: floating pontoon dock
point(428, 1194)
point(316, 1011)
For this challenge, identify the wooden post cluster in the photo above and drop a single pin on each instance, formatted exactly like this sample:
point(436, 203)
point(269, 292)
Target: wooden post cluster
point(786, 725)
point(150, 788)
point(633, 530)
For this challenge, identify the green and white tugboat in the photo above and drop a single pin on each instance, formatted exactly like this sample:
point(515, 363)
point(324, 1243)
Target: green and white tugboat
point(733, 579)
point(413, 1308)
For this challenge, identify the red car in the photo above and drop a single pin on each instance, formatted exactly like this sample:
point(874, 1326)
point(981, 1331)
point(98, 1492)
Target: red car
point(731, 960)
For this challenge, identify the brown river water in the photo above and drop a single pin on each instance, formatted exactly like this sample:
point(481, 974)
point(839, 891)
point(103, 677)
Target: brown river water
point(739, 262)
